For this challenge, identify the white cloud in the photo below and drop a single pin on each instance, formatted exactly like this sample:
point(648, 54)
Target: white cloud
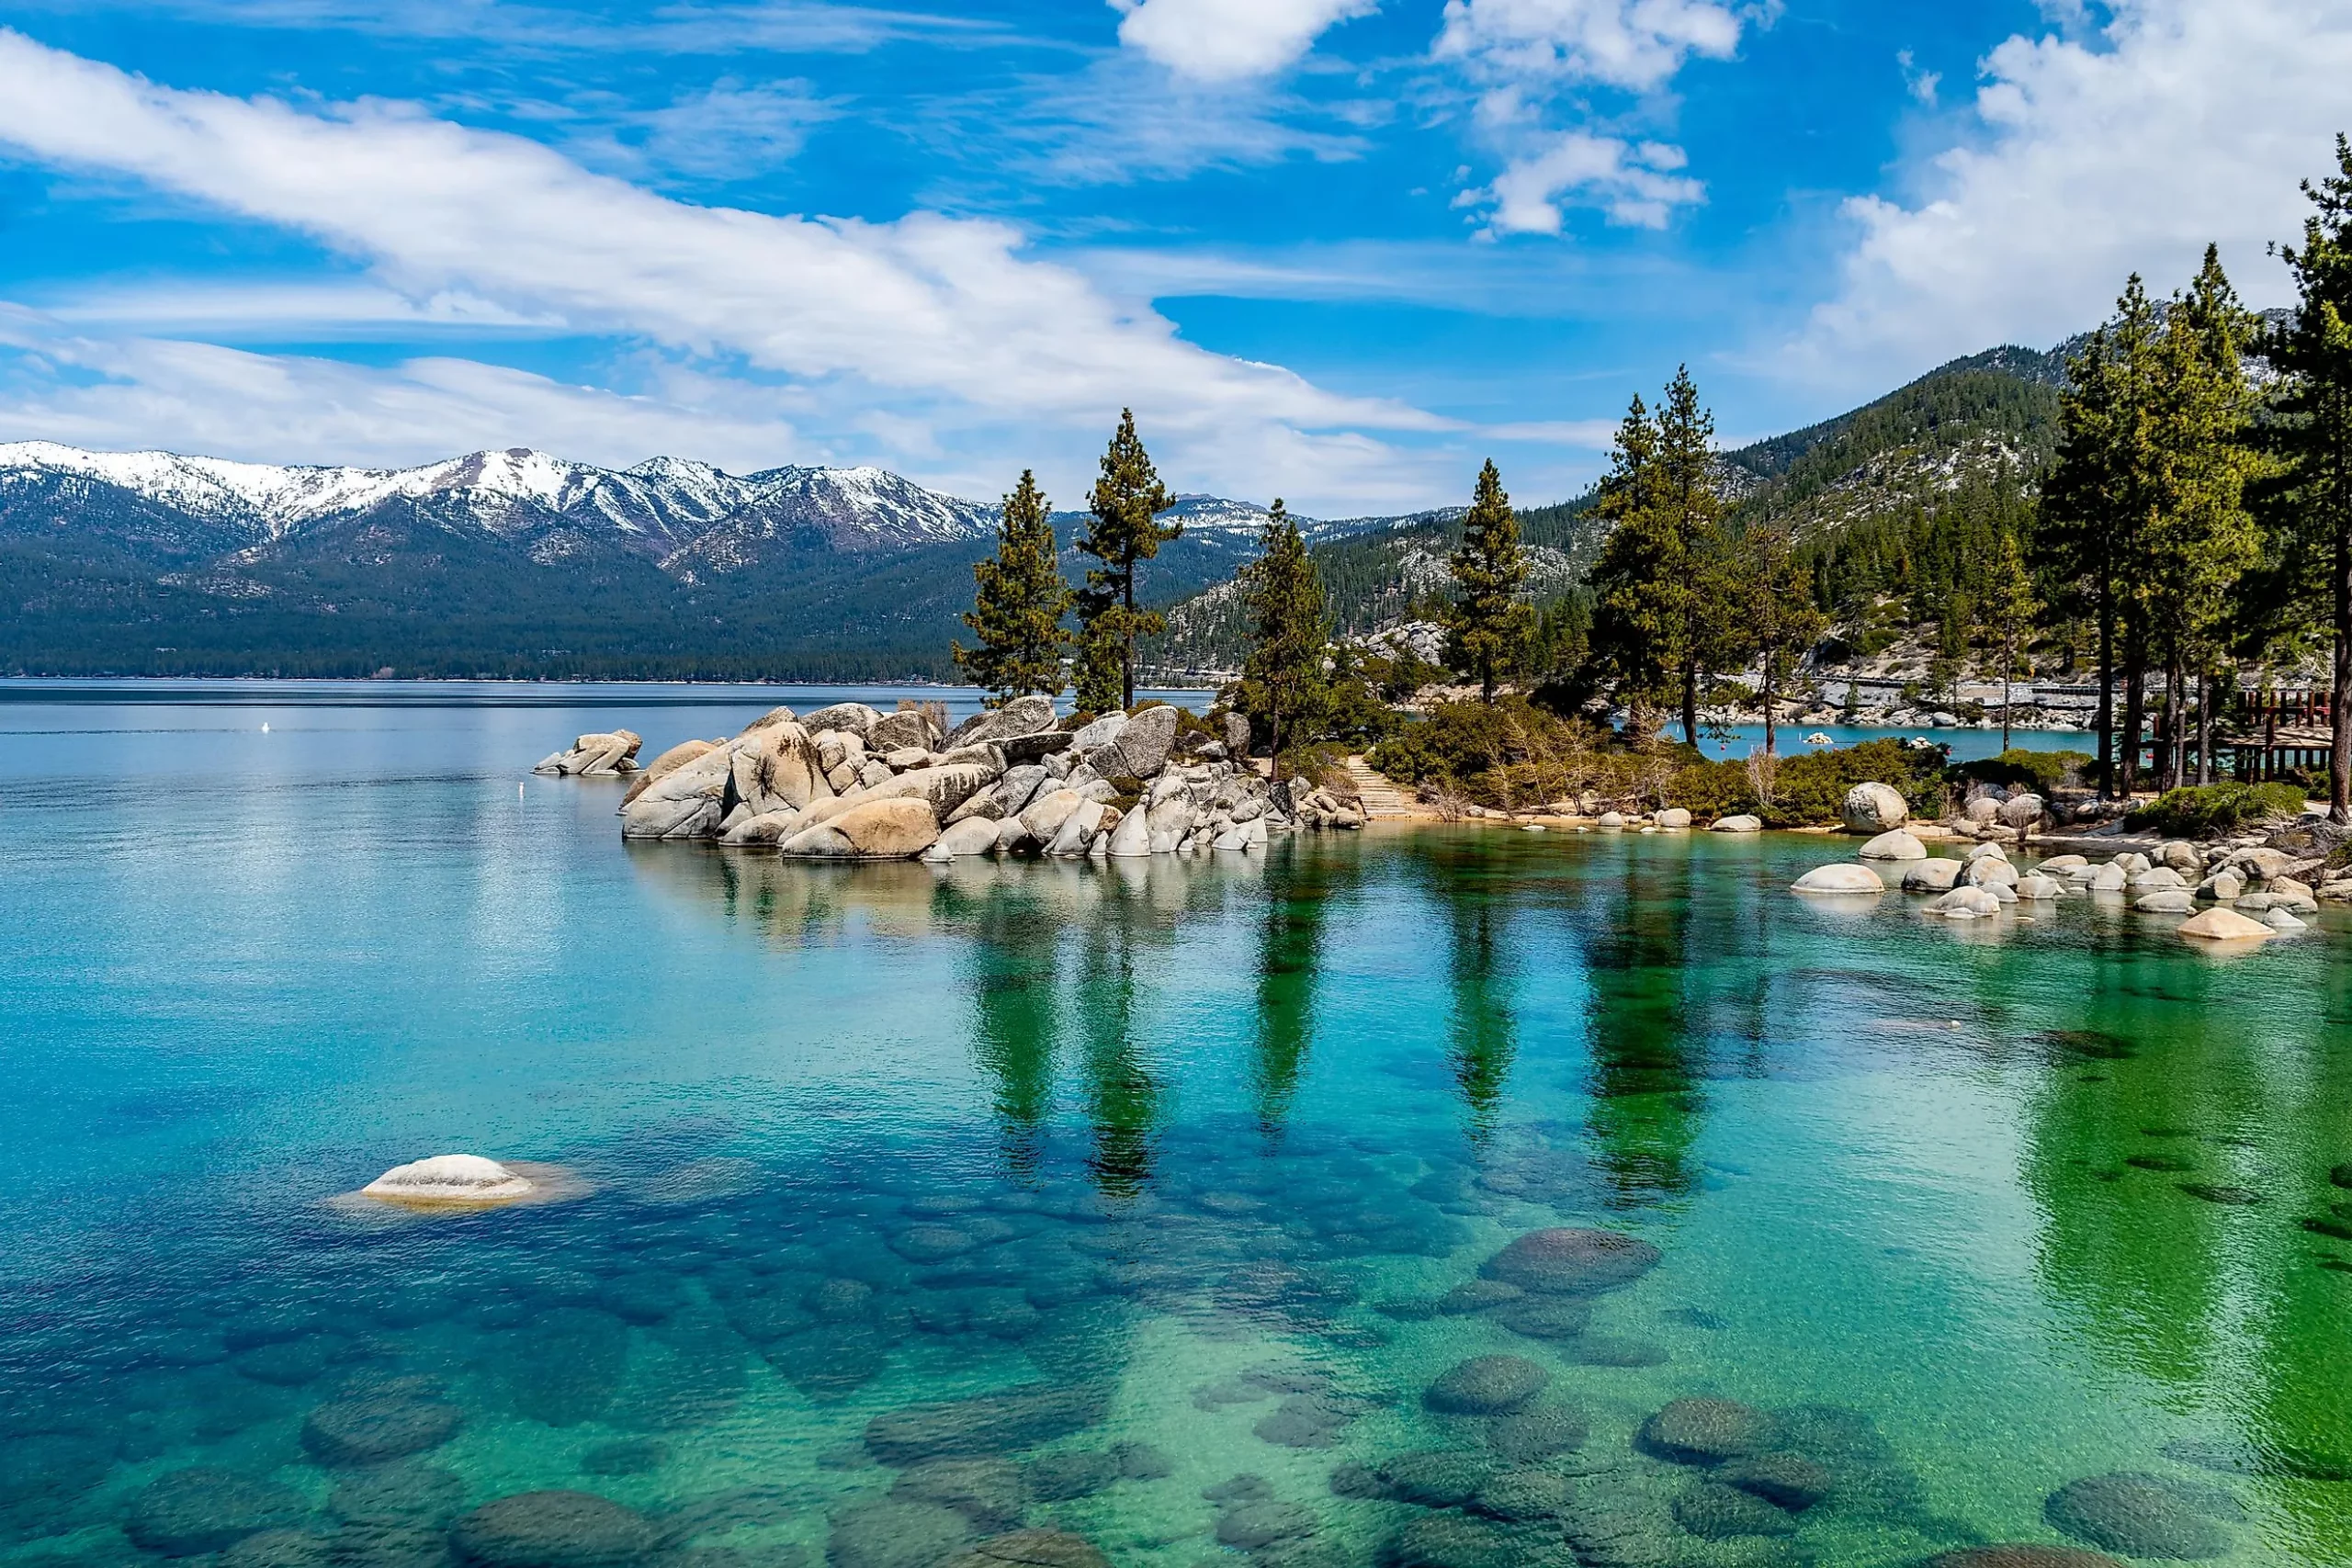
point(928, 318)
point(1922, 85)
point(1633, 44)
point(1524, 54)
point(2179, 122)
point(1225, 41)
point(119, 392)
point(1635, 185)
point(732, 131)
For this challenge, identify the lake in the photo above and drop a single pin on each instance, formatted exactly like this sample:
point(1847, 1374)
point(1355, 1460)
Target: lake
point(1455, 1198)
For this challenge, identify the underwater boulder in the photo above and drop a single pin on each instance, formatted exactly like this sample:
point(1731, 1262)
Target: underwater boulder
point(1706, 1431)
point(2143, 1515)
point(372, 1428)
point(554, 1530)
point(201, 1509)
point(1565, 1260)
point(1486, 1385)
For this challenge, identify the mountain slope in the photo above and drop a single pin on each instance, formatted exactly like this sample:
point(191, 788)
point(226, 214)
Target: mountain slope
point(513, 563)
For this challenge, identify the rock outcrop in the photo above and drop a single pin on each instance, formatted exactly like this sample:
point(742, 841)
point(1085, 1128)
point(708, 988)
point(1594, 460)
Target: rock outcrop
point(450, 1179)
point(1875, 808)
point(850, 782)
point(607, 756)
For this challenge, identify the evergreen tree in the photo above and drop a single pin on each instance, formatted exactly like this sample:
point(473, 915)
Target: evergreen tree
point(1686, 458)
point(1126, 504)
point(2313, 427)
point(2199, 537)
point(1282, 681)
point(1663, 585)
point(1778, 622)
point(1017, 604)
point(1638, 581)
point(1097, 665)
point(1487, 627)
point(2008, 612)
point(2093, 510)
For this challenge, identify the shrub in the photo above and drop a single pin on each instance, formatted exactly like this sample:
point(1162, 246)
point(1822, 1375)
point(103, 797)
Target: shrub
point(1809, 789)
point(2040, 772)
point(2206, 810)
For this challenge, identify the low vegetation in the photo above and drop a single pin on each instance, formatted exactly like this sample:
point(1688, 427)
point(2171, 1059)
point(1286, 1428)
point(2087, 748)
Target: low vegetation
point(2212, 809)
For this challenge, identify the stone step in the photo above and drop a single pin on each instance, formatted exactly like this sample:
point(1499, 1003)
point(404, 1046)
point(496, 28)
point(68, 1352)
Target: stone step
point(1381, 798)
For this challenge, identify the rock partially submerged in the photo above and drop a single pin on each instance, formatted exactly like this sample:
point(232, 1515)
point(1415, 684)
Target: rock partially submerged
point(1839, 878)
point(602, 755)
point(848, 783)
point(2218, 924)
point(450, 1179)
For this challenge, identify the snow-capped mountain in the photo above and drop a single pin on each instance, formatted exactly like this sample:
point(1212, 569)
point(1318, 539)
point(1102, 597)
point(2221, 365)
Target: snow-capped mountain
point(657, 508)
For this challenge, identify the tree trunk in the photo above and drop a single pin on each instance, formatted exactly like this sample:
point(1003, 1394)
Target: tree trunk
point(1768, 748)
point(2175, 722)
point(2339, 749)
point(2008, 662)
point(1690, 705)
point(2105, 694)
point(2205, 729)
point(2135, 693)
point(1127, 639)
point(1274, 743)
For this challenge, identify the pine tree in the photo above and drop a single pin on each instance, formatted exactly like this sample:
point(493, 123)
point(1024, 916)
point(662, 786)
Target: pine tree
point(1126, 502)
point(2312, 426)
point(1282, 679)
point(1017, 604)
point(1637, 580)
point(2009, 610)
point(2199, 537)
point(1686, 458)
point(1097, 665)
point(1487, 627)
point(1778, 621)
point(1662, 583)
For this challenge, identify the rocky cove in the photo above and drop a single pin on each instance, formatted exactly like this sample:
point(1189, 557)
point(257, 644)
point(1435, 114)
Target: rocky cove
point(848, 782)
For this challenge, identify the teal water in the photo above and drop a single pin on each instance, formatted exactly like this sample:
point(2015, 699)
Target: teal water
point(1187, 1155)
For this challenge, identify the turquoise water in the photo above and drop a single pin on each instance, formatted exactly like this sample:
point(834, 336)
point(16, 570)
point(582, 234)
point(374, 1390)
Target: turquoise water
point(1187, 1155)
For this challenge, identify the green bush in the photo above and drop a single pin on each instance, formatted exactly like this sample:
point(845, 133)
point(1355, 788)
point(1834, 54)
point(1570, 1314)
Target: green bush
point(2206, 810)
point(1809, 789)
point(2039, 771)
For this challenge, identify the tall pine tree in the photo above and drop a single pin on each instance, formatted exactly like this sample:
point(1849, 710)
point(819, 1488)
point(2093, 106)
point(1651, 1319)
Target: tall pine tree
point(1126, 504)
point(2009, 610)
point(1776, 620)
point(1638, 581)
point(2312, 428)
point(1017, 604)
point(1487, 626)
point(1282, 679)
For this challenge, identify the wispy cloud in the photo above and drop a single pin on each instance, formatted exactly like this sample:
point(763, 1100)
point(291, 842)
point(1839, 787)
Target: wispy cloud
point(1529, 60)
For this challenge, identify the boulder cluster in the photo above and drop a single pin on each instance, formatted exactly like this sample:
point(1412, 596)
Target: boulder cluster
point(2246, 890)
point(850, 782)
point(605, 755)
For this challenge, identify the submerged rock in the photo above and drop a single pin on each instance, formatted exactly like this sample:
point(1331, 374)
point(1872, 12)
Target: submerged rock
point(203, 1509)
point(1546, 1318)
point(372, 1428)
point(1032, 1549)
point(1706, 1431)
point(988, 1492)
point(1539, 1431)
point(2022, 1555)
point(554, 1530)
point(989, 1424)
point(1718, 1512)
point(1459, 1540)
point(2143, 1515)
point(894, 1533)
point(1570, 1261)
point(1486, 1385)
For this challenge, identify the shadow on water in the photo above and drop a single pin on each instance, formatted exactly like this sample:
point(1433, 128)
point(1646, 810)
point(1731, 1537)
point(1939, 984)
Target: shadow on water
point(1646, 1056)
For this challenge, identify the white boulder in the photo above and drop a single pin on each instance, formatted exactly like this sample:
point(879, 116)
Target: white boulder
point(1937, 875)
point(1674, 816)
point(2218, 924)
point(1839, 878)
point(1741, 823)
point(1875, 808)
point(450, 1179)
point(1898, 845)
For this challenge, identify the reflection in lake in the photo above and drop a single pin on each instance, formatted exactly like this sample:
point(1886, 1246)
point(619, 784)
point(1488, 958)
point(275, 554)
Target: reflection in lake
point(1161, 1205)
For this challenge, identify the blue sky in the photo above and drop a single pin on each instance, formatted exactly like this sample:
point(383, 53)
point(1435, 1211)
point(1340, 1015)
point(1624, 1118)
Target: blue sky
point(1339, 250)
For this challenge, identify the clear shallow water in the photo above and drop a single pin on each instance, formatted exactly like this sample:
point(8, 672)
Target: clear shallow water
point(858, 1139)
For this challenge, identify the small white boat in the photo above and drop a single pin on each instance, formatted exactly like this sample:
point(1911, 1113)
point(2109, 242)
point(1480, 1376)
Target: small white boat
point(1818, 739)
